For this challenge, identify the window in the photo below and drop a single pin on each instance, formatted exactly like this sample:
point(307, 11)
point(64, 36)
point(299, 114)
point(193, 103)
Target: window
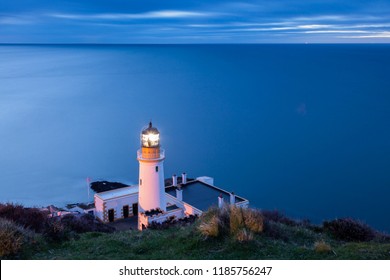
point(156, 168)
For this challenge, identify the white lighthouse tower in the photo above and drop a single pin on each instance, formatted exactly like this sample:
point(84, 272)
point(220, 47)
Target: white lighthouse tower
point(151, 171)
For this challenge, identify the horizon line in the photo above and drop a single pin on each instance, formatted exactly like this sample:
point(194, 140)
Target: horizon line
point(263, 43)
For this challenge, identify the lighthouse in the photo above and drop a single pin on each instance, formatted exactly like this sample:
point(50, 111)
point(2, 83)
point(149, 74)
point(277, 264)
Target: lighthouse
point(151, 202)
point(151, 171)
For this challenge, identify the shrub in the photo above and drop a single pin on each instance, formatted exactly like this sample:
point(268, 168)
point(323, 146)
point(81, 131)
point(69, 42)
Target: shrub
point(55, 231)
point(276, 231)
point(84, 223)
point(76, 223)
point(348, 229)
point(12, 237)
point(159, 226)
point(172, 222)
point(322, 247)
point(31, 218)
point(382, 237)
point(278, 217)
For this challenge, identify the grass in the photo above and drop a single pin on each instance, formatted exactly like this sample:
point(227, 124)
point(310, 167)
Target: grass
point(226, 234)
point(187, 243)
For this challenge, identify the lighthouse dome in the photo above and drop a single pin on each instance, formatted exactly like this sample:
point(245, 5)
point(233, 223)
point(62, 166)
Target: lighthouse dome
point(150, 137)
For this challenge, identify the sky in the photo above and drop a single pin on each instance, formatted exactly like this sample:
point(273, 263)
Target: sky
point(189, 21)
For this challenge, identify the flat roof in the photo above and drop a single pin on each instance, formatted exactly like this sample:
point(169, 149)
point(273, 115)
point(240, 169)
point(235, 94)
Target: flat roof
point(118, 192)
point(104, 186)
point(201, 195)
point(83, 206)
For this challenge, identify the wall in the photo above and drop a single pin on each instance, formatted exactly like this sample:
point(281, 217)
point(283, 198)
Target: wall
point(152, 188)
point(117, 204)
point(188, 209)
point(99, 208)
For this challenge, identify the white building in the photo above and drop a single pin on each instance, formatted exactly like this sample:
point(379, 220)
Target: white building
point(152, 200)
point(116, 204)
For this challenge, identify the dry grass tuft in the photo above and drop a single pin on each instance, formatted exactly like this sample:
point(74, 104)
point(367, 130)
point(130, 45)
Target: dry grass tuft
point(210, 227)
point(254, 220)
point(244, 235)
point(240, 223)
point(322, 247)
point(236, 220)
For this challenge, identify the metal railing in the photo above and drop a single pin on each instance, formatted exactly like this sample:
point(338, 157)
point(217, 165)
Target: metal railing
point(161, 154)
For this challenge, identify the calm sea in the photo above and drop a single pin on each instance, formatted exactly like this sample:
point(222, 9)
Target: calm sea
point(300, 128)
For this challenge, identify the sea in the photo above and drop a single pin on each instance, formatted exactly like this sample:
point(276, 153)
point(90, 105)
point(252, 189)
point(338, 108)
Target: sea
point(303, 129)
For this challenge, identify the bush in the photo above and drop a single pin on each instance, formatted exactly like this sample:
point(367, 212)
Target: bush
point(382, 237)
point(63, 228)
point(84, 223)
point(348, 229)
point(55, 231)
point(31, 218)
point(13, 237)
point(186, 221)
point(277, 217)
point(276, 231)
point(322, 247)
point(77, 224)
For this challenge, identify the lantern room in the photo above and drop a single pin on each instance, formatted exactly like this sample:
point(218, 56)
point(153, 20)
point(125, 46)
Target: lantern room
point(150, 143)
point(150, 137)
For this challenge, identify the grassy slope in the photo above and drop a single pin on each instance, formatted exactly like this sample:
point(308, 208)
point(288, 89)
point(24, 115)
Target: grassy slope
point(186, 243)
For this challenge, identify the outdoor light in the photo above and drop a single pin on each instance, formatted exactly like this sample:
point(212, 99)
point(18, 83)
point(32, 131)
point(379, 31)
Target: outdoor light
point(150, 140)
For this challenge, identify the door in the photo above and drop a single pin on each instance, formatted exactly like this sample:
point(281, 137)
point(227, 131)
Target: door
point(126, 211)
point(135, 209)
point(111, 215)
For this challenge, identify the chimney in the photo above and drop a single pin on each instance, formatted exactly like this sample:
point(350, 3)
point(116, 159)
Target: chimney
point(184, 178)
point(179, 193)
point(232, 198)
point(220, 201)
point(174, 180)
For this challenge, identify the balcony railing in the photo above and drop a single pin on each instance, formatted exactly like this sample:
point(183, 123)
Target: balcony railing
point(151, 156)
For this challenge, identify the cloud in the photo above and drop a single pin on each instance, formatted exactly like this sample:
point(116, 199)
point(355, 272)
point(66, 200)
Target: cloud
point(237, 21)
point(264, 29)
point(319, 24)
point(165, 14)
point(314, 26)
point(334, 31)
point(322, 18)
point(373, 35)
point(13, 20)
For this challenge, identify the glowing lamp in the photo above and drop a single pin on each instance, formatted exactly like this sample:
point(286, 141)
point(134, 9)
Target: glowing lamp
point(150, 137)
